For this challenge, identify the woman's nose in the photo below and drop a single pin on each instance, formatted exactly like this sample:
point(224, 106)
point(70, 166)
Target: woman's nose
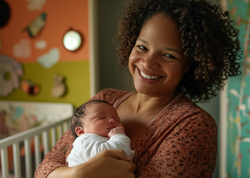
point(150, 61)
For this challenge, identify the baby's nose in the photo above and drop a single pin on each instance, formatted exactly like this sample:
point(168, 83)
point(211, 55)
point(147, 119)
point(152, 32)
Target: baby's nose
point(111, 120)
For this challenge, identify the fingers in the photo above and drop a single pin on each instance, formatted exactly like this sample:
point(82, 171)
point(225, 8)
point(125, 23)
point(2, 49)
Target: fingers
point(118, 154)
point(117, 130)
point(120, 128)
point(109, 163)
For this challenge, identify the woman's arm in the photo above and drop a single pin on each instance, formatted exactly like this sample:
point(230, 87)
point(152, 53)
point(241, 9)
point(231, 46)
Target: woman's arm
point(108, 163)
point(102, 165)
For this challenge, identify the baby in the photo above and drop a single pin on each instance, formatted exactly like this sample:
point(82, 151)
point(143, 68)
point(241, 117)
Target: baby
point(96, 127)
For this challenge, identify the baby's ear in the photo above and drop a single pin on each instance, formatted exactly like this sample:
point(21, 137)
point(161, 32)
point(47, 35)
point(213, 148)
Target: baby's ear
point(79, 130)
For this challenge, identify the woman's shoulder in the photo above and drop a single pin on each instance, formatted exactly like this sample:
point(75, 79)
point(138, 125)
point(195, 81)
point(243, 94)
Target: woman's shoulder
point(109, 94)
point(191, 111)
point(187, 105)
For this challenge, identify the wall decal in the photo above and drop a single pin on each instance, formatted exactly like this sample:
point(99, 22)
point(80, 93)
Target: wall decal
point(30, 87)
point(41, 44)
point(35, 4)
point(10, 71)
point(60, 17)
point(235, 125)
point(1, 43)
point(4, 13)
point(22, 49)
point(50, 59)
point(36, 26)
point(59, 87)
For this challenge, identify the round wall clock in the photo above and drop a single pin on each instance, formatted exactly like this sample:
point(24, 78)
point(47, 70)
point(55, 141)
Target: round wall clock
point(72, 40)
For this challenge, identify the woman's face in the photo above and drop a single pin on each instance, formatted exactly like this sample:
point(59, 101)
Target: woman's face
point(157, 62)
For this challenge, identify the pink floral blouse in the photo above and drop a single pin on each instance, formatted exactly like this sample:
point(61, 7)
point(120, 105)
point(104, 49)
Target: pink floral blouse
point(180, 142)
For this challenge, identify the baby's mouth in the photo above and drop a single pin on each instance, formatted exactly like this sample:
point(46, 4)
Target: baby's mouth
point(110, 128)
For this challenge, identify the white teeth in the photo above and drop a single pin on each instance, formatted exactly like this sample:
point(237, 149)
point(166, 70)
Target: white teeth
point(149, 76)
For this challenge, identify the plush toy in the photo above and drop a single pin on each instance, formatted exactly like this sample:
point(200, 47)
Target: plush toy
point(30, 87)
point(59, 87)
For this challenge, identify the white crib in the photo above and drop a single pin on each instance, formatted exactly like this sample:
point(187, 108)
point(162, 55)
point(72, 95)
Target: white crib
point(28, 130)
point(44, 136)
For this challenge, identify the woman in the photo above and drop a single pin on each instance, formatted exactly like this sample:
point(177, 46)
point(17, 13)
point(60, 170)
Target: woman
point(178, 52)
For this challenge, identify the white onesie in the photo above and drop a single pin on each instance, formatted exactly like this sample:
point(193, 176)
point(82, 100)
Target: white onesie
point(88, 145)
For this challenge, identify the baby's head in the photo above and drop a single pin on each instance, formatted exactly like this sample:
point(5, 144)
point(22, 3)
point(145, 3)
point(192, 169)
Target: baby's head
point(95, 116)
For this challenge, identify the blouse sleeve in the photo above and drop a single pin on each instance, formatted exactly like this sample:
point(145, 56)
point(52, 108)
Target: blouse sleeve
point(56, 157)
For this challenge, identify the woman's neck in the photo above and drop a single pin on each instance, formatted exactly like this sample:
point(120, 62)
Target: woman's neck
point(142, 102)
point(138, 110)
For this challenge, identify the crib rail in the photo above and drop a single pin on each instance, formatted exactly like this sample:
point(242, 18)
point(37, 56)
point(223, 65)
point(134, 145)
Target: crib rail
point(45, 136)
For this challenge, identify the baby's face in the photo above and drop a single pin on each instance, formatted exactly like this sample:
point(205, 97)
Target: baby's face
point(100, 119)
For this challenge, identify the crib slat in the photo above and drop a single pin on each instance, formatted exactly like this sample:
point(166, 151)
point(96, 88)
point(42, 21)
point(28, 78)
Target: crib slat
point(31, 132)
point(16, 154)
point(37, 150)
point(27, 157)
point(60, 131)
point(65, 126)
point(4, 162)
point(15, 140)
point(46, 142)
point(53, 134)
point(68, 124)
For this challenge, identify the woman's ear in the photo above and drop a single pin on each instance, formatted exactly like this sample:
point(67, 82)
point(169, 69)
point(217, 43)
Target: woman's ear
point(79, 130)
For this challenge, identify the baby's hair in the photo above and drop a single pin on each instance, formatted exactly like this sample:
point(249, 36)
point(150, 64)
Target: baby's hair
point(79, 113)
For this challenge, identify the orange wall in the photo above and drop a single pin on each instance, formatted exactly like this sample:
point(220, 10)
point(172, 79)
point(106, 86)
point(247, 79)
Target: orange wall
point(73, 66)
point(61, 16)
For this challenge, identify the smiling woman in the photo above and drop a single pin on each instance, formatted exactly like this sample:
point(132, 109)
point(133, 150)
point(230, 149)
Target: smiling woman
point(177, 52)
point(157, 62)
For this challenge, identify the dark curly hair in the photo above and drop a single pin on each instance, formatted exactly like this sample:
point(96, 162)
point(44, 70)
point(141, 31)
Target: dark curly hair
point(79, 114)
point(209, 39)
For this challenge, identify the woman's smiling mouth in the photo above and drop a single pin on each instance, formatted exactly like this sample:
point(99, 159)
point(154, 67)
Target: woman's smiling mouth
point(150, 77)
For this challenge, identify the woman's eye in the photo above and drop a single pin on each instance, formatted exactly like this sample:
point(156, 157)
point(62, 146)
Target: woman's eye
point(140, 47)
point(169, 56)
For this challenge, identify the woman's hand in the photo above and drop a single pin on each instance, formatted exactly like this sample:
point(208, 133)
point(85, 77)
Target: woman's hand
point(108, 163)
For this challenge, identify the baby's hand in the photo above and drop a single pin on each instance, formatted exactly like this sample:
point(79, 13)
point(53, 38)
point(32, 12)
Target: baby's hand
point(117, 130)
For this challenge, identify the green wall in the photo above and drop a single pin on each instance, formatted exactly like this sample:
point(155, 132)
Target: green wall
point(77, 81)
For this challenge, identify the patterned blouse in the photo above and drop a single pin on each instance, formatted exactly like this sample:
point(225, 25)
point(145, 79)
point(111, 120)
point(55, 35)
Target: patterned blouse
point(181, 141)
